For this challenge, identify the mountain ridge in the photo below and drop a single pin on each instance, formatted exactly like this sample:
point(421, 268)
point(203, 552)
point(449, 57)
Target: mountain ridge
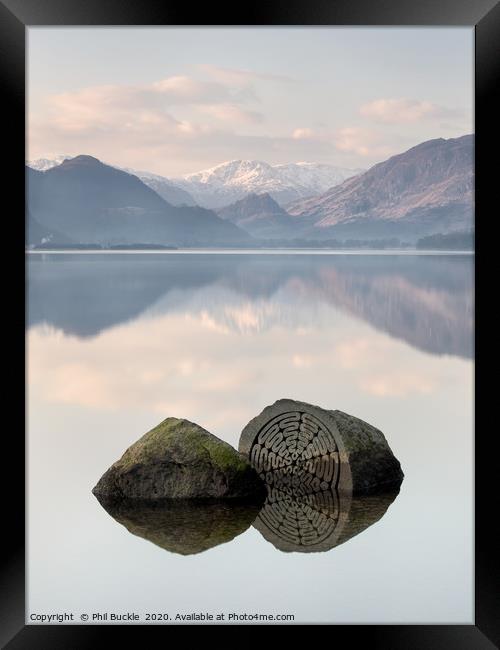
point(93, 203)
point(427, 186)
point(160, 184)
point(423, 191)
point(259, 214)
point(228, 182)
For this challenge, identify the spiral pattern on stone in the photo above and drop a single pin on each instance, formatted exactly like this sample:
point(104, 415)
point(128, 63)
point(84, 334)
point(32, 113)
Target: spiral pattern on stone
point(295, 450)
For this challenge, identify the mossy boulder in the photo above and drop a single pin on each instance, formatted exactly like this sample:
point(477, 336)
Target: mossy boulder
point(179, 459)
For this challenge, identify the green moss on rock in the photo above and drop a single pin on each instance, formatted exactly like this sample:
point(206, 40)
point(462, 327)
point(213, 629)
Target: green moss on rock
point(180, 459)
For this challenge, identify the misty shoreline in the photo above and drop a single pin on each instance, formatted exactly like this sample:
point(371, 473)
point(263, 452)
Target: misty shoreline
point(247, 251)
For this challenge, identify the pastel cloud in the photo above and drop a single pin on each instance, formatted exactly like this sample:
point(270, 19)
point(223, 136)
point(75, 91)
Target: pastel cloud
point(348, 140)
point(401, 110)
point(362, 142)
point(160, 142)
point(183, 89)
point(303, 134)
point(109, 106)
point(106, 108)
point(182, 123)
point(138, 124)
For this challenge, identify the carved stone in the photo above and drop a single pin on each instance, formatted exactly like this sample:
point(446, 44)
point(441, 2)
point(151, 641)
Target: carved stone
point(318, 450)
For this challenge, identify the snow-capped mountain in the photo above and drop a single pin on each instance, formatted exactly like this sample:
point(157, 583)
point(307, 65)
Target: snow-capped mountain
point(231, 181)
point(315, 176)
point(43, 164)
point(168, 190)
point(163, 186)
point(89, 202)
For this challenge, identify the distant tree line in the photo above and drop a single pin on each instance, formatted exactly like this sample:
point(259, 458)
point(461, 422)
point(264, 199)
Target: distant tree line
point(390, 242)
point(101, 247)
point(463, 240)
point(459, 240)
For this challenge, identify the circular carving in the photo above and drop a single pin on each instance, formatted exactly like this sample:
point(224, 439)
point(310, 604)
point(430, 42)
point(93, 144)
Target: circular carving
point(300, 520)
point(303, 453)
point(294, 449)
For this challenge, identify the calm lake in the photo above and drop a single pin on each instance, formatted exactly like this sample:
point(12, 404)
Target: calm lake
point(118, 342)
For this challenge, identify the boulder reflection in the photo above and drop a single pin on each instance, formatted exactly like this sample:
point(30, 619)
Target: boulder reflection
point(304, 511)
point(180, 526)
point(291, 519)
point(318, 521)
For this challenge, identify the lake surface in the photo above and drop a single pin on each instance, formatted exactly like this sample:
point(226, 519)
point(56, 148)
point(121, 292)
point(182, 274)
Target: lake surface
point(116, 343)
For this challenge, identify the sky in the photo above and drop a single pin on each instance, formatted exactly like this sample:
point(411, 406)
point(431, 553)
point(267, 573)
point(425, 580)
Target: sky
point(174, 100)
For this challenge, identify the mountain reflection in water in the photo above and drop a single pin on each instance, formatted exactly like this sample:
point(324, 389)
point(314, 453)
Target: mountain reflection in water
point(426, 301)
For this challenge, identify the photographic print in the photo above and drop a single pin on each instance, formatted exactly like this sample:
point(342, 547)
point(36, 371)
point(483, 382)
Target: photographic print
point(250, 325)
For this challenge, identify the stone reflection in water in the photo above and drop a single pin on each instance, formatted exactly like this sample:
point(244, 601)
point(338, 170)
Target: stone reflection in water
point(291, 519)
point(321, 470)
point(181, 526)
point(294, 520)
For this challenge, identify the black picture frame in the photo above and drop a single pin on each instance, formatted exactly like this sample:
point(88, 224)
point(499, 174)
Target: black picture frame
point(15, 17)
